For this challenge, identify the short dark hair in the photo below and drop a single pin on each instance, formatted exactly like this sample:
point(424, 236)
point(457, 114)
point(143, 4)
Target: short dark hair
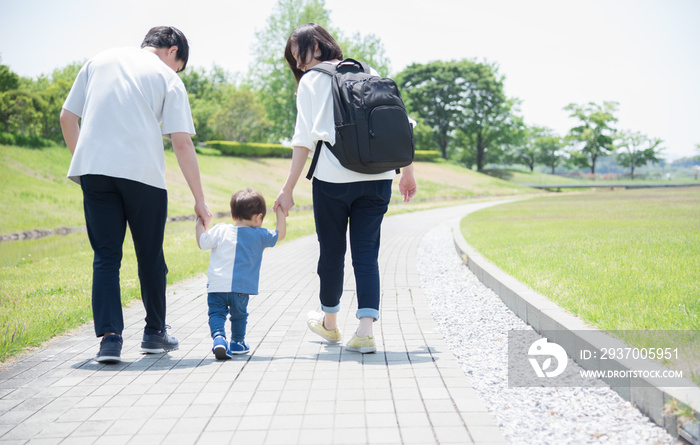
point(167, 37)
point(305, 36)
point(247, 203)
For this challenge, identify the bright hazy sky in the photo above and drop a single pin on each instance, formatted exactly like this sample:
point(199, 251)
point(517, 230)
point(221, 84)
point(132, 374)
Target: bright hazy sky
point(644, 54)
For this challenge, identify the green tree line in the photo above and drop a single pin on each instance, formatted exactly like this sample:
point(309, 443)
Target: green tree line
point(460, 105)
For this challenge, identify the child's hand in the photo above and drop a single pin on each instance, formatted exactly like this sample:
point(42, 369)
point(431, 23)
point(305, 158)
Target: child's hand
point(281, 223)
point(199, 229)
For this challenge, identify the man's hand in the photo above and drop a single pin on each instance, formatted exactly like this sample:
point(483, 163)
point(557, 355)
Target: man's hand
point(202, 211)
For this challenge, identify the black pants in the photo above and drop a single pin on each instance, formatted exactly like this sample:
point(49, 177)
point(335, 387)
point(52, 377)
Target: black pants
point(110, 203)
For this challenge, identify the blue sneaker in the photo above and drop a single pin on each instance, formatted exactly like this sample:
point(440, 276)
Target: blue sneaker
point(110, 349)
point(220, 348)
point(239, 347)
point(155, 342)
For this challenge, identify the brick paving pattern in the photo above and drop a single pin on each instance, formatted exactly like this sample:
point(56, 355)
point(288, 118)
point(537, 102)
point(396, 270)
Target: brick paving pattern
point(292, 387)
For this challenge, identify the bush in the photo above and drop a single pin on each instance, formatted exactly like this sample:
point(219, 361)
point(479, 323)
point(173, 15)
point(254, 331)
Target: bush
point(7, 138)
point(208, 151)
point(256, 150)
point(21, 140)
point(427, 155)
point(250, 149)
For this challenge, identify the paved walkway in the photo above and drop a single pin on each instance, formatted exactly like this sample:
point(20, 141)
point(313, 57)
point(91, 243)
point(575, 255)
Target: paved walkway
point(292, 387)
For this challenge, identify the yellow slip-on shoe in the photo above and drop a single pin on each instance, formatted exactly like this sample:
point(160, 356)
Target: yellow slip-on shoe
point(316, 326)
point(363, 345)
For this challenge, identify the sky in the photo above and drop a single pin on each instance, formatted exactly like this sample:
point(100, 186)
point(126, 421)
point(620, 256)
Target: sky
point(644, 54)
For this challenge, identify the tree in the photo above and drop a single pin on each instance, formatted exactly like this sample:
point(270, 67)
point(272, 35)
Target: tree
point(207, 93)
point(368, 49)
point(595, 136)
point(519, 144)
point(8, 79)
point(549, 147)
point(636, 150)
point(269, 74)
point(20, 110)
point(433, 91)
point(488, 121)
point(460, 95)
point(241, 118)
point(53, 91)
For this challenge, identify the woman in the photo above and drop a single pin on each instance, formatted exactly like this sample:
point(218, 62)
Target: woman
point(339, 195)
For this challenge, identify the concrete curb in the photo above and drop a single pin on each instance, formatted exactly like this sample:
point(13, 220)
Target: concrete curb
point(570, 332)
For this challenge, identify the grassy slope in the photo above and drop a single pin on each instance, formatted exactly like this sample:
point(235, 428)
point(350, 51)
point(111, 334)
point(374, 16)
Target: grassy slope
point(45, 283)
point(37, 195)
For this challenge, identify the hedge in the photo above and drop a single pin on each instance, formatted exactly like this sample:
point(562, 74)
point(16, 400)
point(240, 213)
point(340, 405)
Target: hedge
point(250, 149)
point(427, 155)
point(20, 140)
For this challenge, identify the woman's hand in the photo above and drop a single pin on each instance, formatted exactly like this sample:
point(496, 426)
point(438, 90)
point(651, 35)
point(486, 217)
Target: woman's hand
point(407, 183)
point(285, 201)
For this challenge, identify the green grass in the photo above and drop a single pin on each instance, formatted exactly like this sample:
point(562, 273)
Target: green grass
point(45, 283)
point(626, 262)
point(525, 177)
point(620, 260)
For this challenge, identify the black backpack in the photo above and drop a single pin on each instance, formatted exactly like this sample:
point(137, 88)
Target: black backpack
point(372, 131)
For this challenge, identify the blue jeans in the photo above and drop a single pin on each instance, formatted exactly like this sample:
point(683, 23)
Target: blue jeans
point(362, 205)
point(233, 304)
point(109, 204)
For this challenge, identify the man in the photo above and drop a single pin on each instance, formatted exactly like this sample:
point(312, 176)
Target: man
point(128, 99)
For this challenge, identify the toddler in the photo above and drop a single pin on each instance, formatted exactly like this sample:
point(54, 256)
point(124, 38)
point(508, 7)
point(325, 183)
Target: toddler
point(234, 267)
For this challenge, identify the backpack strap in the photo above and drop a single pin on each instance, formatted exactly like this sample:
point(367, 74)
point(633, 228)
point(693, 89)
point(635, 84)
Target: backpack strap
point(314, 160)
point(324, 67)
point(331, 69)
point(352, 62)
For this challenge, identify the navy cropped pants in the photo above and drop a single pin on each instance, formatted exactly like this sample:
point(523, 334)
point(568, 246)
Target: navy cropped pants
point(362, 206)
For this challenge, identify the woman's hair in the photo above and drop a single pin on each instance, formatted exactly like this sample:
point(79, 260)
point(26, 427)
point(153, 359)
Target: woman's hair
point(245, 204)
point(167, 37)
point(306, 36)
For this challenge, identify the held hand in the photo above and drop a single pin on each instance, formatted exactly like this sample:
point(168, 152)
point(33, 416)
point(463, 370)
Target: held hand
point(407, 185)
point(285, 201)
point(202, 211)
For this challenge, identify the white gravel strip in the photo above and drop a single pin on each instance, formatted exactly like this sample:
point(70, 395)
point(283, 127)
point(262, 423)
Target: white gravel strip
point(475, 324)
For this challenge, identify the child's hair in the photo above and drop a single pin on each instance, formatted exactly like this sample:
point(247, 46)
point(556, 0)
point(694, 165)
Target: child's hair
point(247, 203)
point(305, 36)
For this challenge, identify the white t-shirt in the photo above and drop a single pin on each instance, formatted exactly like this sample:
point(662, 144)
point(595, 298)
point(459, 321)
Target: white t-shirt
point(127, 99)
point(315, 122)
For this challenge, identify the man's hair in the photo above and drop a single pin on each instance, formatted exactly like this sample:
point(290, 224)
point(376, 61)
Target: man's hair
point(167, 37)
point(247, 203)
point(305, 36)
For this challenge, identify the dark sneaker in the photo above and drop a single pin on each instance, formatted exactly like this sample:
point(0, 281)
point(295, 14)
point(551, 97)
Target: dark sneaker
point(156, 343)
point(220, 348)
point(110, 349)
point(239, 347)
